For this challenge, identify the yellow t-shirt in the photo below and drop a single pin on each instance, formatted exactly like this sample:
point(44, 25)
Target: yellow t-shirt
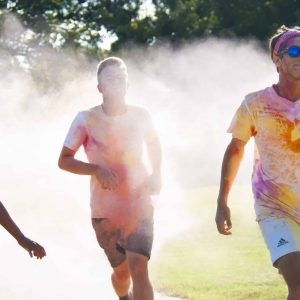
point(274, 122)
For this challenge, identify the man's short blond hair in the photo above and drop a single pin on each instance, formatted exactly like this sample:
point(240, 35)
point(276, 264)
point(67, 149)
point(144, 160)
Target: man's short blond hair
point(110, 61)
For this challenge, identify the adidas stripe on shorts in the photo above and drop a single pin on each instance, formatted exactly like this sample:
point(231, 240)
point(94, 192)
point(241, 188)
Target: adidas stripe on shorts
point(282, 236)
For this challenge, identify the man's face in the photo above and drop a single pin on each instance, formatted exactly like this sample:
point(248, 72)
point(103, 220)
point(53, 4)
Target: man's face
point(290, 66)
point(113, 81)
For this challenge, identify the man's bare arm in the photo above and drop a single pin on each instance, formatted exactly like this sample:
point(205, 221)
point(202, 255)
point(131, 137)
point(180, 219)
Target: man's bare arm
point(68, 162)
point(32, 247)
point(231, 162)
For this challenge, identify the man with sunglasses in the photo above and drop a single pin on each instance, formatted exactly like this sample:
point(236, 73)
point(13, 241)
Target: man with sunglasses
point(272, 117)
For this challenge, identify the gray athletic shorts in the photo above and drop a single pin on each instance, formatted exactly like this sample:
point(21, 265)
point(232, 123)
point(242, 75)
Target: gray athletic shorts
point(115, 243)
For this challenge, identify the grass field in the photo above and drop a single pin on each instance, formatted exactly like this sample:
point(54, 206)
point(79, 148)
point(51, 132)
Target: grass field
point(201, 264)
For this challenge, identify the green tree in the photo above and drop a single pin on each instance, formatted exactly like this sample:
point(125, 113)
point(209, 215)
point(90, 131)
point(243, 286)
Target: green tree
point(180, 20)
point(83, 24)
point(74, 23)
point(255, 18)
point(65, 26)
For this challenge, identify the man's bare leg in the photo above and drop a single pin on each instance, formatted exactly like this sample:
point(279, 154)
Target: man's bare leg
point(289, 267)
point(120, 279)
point(138, 268)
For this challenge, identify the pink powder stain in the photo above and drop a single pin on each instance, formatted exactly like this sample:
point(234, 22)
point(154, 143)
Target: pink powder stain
point(98, 144)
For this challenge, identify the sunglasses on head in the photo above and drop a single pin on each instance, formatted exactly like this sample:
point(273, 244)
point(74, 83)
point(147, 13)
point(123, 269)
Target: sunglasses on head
point(292, 51)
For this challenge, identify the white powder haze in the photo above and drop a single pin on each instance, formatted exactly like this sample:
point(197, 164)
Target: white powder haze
point(191, 93)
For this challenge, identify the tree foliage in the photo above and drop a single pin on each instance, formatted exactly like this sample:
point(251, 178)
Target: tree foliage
point(184, 20)
point(256, 18)
point(83, 24)
point(74, 23)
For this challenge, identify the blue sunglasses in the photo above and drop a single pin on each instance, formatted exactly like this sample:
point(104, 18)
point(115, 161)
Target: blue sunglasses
point(292, 51)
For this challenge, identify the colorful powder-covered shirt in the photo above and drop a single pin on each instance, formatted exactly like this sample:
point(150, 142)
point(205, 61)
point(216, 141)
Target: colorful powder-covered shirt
point(274, 122)
point(115, 143)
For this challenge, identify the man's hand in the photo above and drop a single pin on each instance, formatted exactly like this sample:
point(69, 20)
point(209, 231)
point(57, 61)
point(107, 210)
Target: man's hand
point(223, 219)
point(33, 248)
point(107, 178)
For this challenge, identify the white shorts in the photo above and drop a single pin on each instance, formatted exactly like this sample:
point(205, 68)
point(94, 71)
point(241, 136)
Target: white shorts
point(282, 236)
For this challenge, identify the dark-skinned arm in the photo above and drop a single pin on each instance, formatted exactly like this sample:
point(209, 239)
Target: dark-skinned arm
point(33, 248)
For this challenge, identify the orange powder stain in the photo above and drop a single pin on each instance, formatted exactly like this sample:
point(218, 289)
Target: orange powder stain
point(289, 196)
point(253, 131)
point(292, 137)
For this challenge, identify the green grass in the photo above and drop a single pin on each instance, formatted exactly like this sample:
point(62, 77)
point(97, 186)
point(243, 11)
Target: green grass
point(202, 264)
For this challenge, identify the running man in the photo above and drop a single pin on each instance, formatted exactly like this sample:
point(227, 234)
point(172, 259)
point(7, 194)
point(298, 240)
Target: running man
point(272, 117)
point(33, 248)
point(112, 135)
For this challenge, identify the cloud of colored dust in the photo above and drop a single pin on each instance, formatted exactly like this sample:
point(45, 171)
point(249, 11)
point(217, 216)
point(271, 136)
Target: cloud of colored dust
point(191, 93)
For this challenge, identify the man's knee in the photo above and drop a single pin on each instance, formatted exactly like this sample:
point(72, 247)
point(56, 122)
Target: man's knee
point(289, 267)
point(121, 272)
point(138, 265)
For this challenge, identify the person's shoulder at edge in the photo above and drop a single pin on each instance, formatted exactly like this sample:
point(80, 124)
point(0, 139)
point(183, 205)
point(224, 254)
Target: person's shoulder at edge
point(83, 115)
point(91, 110)
point(260, 96)
point(139, 111)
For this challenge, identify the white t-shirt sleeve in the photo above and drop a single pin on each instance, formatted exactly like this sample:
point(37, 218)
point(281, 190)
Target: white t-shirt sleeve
point(77, 133)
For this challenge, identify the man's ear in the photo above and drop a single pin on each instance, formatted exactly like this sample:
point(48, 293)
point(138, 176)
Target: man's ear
point(277, 60)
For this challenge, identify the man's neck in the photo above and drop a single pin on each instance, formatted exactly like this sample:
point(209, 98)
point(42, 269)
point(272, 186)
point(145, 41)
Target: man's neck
point(113, 107)
point(289, 89)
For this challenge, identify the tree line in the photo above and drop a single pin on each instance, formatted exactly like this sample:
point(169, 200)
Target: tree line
point(82, 24)
point(81, 27)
